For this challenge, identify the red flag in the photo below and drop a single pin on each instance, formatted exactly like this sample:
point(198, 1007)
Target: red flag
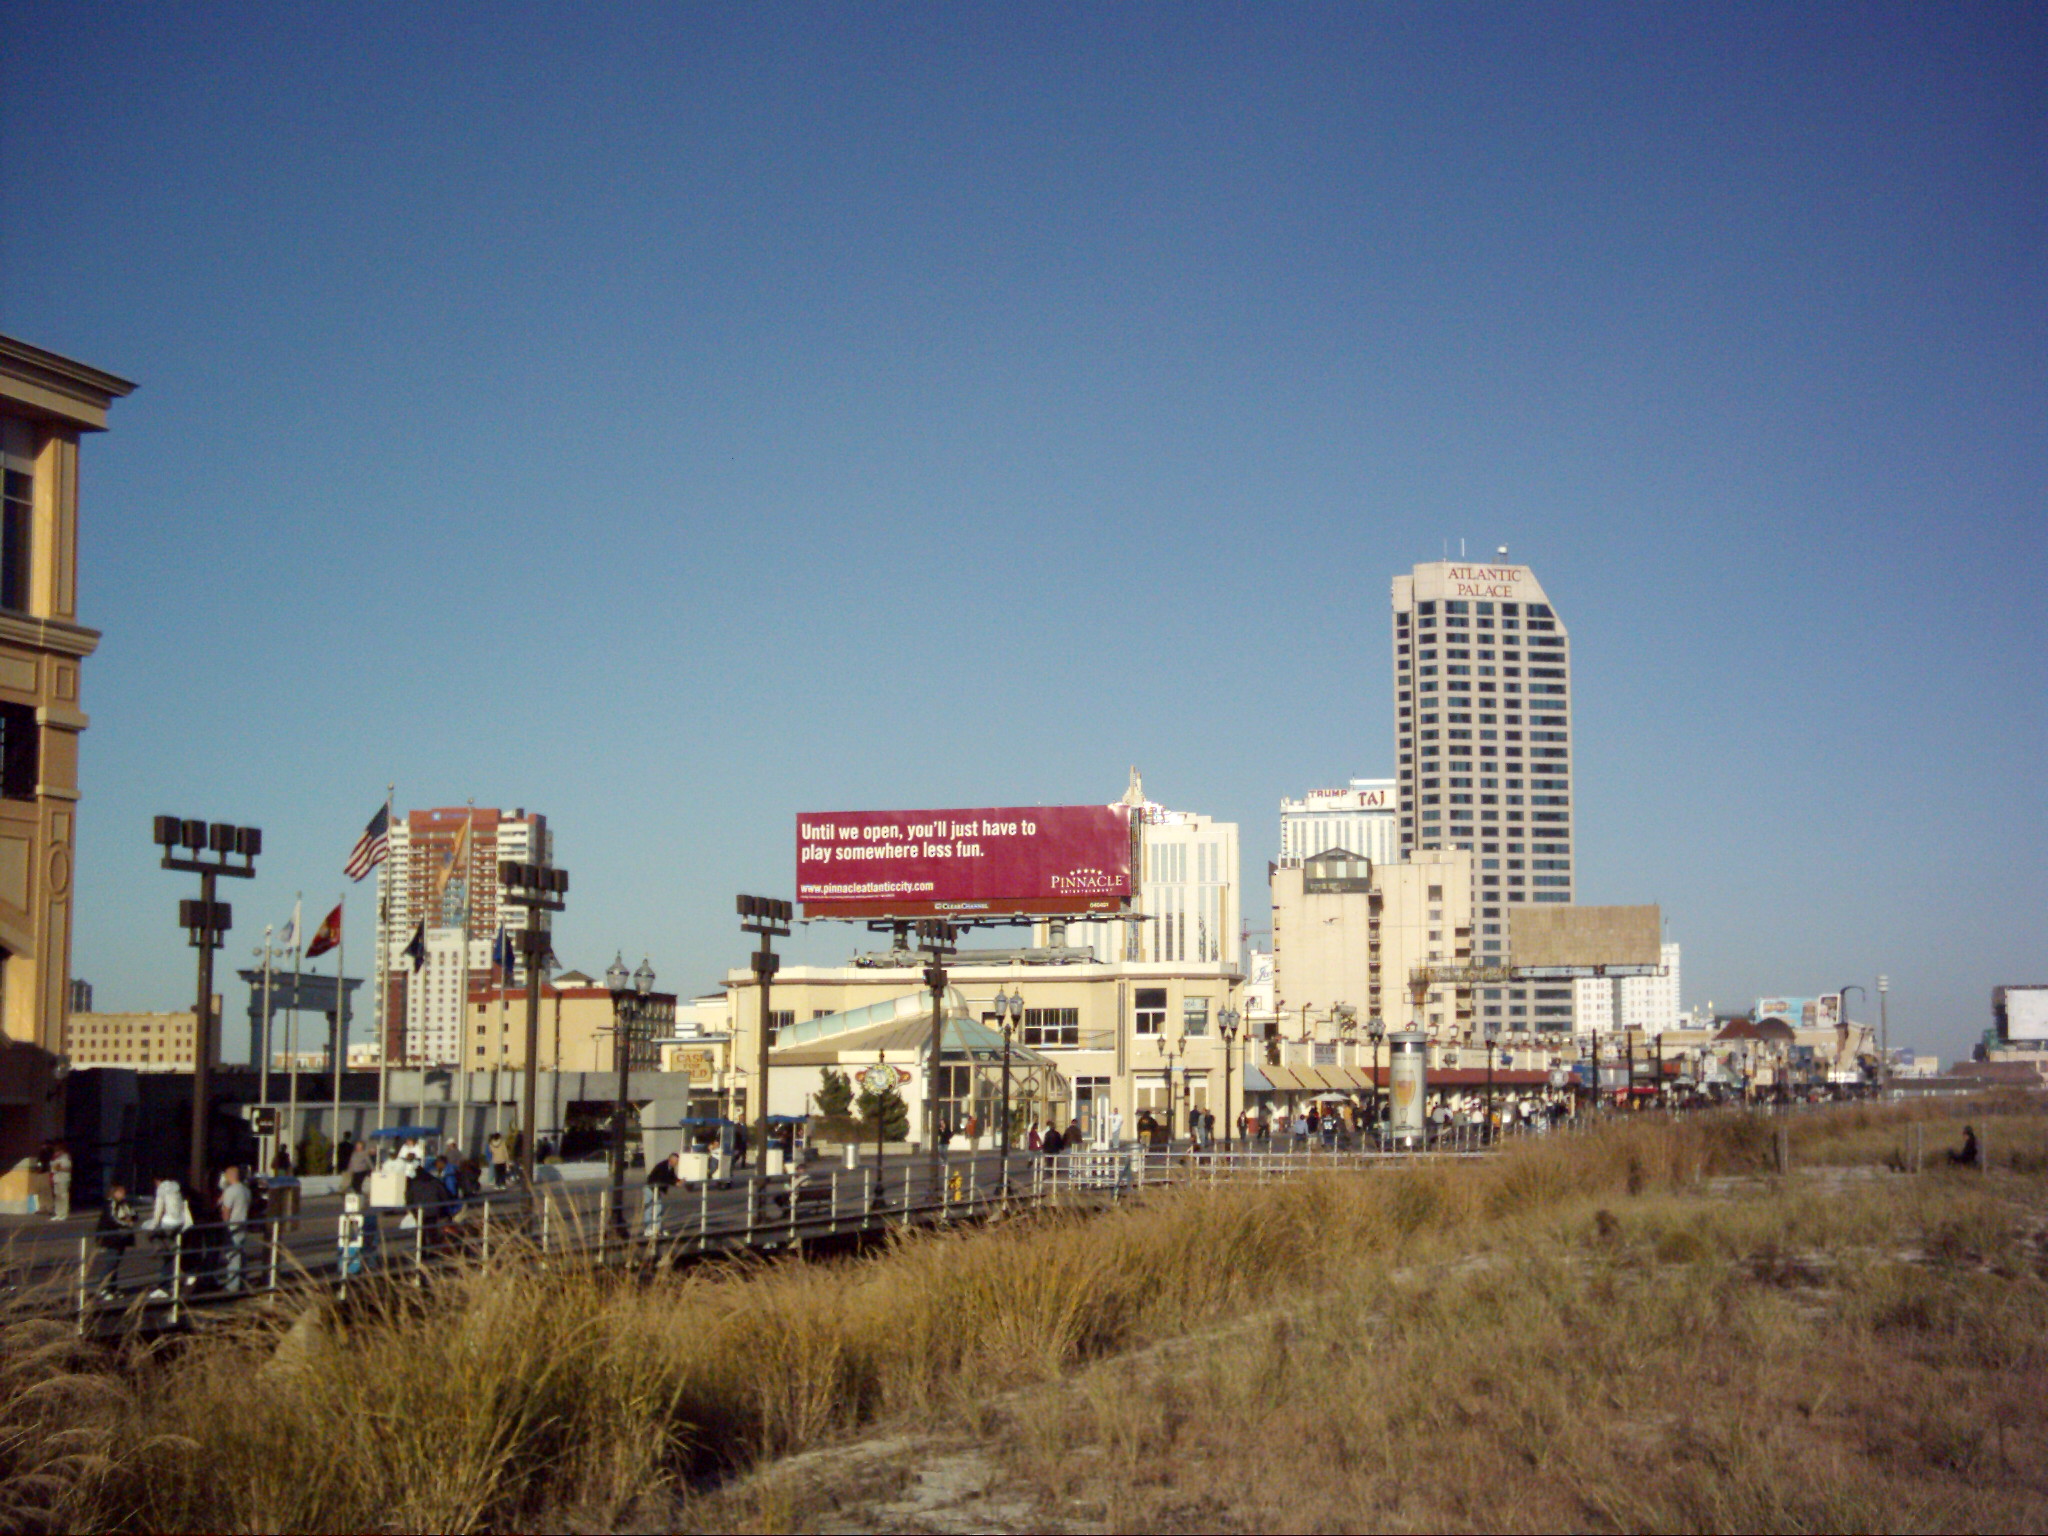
point(327, 936)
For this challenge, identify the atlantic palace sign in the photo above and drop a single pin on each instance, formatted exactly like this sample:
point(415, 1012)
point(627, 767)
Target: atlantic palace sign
point(1038, 859)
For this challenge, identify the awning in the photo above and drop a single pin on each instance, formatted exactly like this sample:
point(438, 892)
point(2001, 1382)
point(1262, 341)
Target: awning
point(1256, 1081)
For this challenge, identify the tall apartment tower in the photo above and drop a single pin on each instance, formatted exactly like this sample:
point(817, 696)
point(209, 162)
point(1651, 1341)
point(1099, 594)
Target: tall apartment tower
point(461, 911)
point(1483, 729)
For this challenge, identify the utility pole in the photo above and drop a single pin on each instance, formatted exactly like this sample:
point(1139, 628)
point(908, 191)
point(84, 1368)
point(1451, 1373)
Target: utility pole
point(1884, 1038)
point(938, 939)
point(536, 888)
point(770, 918)
point(207, 922)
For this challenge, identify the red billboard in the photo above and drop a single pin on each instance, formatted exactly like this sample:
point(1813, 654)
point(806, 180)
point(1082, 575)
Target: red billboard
point(1036, 859)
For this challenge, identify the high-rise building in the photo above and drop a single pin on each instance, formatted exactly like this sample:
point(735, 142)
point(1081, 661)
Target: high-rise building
point(49, 405)
point(1648, 1003)
point(1482, 705)
point(1359, 819)
point(444, 870)
point(1186, 870)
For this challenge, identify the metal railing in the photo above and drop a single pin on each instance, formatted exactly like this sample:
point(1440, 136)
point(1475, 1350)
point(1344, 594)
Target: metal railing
point(159, 1281)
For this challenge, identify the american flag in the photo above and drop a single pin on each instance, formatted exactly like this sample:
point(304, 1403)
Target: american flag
point(373, 847)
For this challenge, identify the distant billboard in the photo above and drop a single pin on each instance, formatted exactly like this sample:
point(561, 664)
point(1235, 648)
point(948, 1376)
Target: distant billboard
point(1822, 1012)
point(2026, 1013)
point(1021, 859)
point(1556, 936)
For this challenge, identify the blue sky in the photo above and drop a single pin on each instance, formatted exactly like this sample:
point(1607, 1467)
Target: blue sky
point(673, 418)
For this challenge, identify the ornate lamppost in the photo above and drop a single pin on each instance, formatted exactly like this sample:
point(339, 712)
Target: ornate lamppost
point(1227, 1022)
point(1008, 1008)
point(630, 998)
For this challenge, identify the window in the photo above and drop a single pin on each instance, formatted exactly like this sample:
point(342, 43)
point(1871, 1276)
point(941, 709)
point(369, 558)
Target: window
point(1052, 1026)
point(1150, 1018)
point(19, 739)
point(15, 512)
point(1194, 1016)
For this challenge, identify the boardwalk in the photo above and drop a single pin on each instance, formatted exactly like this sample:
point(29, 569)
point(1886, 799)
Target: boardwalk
point(167, 1285)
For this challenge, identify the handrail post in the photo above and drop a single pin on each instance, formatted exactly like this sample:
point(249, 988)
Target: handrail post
point(487, 1231)
point(177, 1273)
point(84, 1277)
point(753, 1206)
point(275, 1228)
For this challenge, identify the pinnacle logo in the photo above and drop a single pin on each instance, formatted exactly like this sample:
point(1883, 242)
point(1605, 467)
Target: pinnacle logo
point(1085, 882)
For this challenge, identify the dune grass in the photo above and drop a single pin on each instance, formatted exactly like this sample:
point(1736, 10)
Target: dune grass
point(1589, 1331)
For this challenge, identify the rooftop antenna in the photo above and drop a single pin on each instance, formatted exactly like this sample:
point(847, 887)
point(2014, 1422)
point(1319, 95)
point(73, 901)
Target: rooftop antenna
point(1461, 549)
point(1503, 551)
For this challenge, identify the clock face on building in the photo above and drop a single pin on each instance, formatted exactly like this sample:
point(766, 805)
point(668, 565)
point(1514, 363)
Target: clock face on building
point(879, 1078)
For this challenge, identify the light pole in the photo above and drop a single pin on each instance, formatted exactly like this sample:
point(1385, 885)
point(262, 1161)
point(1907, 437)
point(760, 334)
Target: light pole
point(1884, 1038)
point(769, 918)
point(1375, 1031)
point(535, 888)
point(1227, 1021)
point(1846, 990)
point(206, 922)
point(1008, 1009)
point(1168, 1056)
point(938, 939)
point(630, 997)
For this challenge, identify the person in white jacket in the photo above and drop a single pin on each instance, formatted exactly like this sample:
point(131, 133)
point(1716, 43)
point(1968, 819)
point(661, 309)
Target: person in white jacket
point(170, 1218)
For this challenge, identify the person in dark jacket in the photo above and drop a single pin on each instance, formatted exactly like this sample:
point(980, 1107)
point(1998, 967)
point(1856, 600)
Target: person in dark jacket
point(1052, 1143)
point(661, 1180)
point(1968, 1156)
point(115, 1235)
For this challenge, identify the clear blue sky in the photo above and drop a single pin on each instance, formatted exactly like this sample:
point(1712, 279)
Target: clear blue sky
point(676, 417)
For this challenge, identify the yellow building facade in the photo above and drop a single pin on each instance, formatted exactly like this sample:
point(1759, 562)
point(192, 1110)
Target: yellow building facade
point(48, 404)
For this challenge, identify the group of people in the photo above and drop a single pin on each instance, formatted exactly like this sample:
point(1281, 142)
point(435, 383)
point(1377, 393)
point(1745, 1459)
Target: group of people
point(175, 1232)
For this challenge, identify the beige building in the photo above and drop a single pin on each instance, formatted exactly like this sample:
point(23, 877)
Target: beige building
point(47, 405)
point(146, 1042)
point(1098, 1038)
point(576, 1028)
point(1347, 933)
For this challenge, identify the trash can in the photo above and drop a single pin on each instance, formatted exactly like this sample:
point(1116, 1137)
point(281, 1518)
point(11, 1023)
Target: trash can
point(694, 1167)
point(852, 1155)
point(771, 1162)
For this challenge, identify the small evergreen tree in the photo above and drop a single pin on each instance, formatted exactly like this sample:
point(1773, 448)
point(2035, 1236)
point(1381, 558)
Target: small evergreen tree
point(835, 1092)
point(315, 1155)
point(888, 1106)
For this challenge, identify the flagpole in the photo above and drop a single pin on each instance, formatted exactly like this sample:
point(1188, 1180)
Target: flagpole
point(291, 1028)
point(500, 959)
point(377, 968)
point(339, 1034)
point(263, 1073)
point(462, 1004)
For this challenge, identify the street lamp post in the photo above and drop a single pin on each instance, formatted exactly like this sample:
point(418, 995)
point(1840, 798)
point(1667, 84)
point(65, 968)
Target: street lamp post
point(630, 997)
point(206, 922)
point(1846, 990)
point(535, 888)
point(1375, 1031)
point(938, 939)
point(769, 918)
point(1227, 1021)
point(1884, 1038)
point(1008, 1009)
point(1168, 1056)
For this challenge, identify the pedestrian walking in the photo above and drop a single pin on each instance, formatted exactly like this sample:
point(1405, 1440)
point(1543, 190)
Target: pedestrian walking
point(60, 1182)
point(1116, 1129)
point(358, 1166)
point(234, 1215)
point(1036, 1139)
point(115, 1235)
point(495, 1147)
point(1052, 1143)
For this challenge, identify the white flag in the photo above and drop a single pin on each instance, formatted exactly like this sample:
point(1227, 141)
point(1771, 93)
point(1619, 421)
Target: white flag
point(289, 937)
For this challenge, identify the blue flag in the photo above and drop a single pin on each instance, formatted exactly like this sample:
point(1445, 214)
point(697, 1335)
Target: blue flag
point(501, 953)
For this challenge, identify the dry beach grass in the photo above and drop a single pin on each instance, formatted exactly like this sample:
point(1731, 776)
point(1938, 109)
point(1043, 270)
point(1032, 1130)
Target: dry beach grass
point(1637, 1328)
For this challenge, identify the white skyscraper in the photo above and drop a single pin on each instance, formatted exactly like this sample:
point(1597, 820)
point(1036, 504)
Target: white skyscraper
point(1187, 879)
point(1482, 705)
point(1647, 1002)
point(1360, 819)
